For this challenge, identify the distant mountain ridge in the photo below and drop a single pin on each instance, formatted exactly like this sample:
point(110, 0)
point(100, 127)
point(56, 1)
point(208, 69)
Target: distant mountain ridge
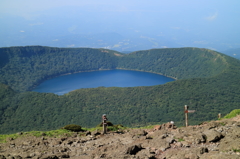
point(207, 81)
point(24, 67)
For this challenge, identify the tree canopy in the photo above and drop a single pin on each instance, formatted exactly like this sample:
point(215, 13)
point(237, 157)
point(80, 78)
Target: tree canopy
point(207, 81)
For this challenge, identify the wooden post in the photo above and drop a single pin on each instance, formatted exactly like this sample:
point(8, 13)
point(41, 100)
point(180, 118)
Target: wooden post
point(186, 114)
point(104, 122)
point(219, 116)
point(104, 128)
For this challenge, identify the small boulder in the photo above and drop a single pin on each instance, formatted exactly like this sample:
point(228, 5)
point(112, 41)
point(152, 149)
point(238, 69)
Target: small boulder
point(133, 150)
point(2, 157)
point(96, 132)
point(88, 133)
point(156, 127)
point(203, 150)
point(169, 125)
point(185, 144)
point(212, 135)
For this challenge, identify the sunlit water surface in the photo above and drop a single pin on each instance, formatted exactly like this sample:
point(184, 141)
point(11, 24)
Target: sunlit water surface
point(108, 78)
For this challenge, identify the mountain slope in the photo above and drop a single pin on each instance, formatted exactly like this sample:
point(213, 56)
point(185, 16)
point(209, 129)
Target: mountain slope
point(24, 67)
point(207, 81)
point(180, 63)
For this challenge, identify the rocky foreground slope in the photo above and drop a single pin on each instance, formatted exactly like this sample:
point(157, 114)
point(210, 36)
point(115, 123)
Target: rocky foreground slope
point(211, 140)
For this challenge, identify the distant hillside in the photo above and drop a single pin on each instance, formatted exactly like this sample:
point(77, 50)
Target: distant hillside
point(207, 81)
point(22, 68)
point(180, 63)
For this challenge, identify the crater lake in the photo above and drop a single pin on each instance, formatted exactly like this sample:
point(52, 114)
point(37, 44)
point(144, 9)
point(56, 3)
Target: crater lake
point(106, 78)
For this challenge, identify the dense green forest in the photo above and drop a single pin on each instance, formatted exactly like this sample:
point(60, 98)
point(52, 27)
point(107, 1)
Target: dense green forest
point(22, 68)
point(207, 81)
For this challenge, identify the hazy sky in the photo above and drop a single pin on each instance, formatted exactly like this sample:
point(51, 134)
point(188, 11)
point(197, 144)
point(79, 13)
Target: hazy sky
point(186, 23)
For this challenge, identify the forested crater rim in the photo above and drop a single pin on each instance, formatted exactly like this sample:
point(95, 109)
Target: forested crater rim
point(27, 66)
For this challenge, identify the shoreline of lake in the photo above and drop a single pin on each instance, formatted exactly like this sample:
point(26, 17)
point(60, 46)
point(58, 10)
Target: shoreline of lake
point(111, 78)
point(51, 77)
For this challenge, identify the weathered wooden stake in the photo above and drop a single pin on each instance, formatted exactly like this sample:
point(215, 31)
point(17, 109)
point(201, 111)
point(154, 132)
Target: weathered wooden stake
point(219, 116)
point(104, 128)
point(186, 111)
point(104, 122)
point(186, 115)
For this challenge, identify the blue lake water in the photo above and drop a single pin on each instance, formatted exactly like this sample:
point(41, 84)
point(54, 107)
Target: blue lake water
point(108, 78)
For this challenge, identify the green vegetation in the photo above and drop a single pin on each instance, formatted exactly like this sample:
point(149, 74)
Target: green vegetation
point(207, 81)
point(178, 63)
point(67, 130)
point(181, 139)
point(115, 128)
point(232, 114)
point(53, 133)
point(73, 127)
point(22, 68)
point(110, 127)
point(223, 124)
point(236, 150)
point(147, 127)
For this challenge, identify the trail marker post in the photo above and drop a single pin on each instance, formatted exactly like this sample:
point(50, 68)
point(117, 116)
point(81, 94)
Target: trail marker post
point(104, 123)
point(186, 111)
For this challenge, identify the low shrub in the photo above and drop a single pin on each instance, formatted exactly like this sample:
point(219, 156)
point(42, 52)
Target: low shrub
point(236, 150)
point(119, 126)
point(73, 127)
point(111, 127)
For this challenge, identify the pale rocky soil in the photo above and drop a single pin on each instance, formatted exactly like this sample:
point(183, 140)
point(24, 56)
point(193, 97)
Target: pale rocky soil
point(210, 140)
